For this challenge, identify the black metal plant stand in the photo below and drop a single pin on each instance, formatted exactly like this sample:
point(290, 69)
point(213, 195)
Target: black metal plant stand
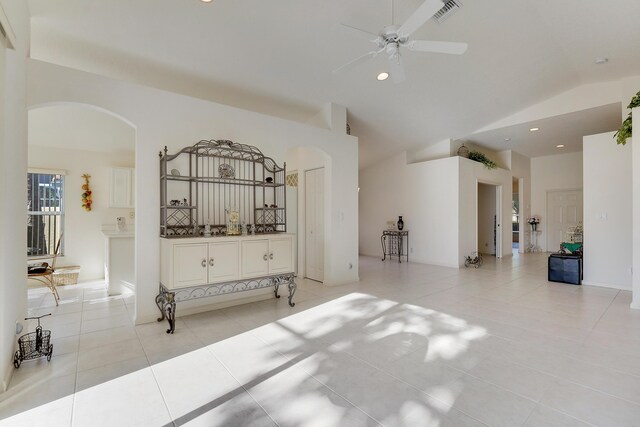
point(166, 299)
point(34, 344)
point(393, 244)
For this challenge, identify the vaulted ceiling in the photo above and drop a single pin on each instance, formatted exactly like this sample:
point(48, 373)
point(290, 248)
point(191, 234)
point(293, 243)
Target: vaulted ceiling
point(277, 57)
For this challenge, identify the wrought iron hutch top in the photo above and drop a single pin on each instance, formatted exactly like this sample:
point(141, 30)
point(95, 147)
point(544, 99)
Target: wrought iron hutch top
point(202, 185)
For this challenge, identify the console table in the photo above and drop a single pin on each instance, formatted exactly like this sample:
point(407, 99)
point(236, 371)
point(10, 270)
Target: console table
point(393, 244)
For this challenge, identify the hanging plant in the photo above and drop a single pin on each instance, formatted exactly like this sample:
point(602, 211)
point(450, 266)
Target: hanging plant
point(86, 193)
point(625, 130)
point(479, 157)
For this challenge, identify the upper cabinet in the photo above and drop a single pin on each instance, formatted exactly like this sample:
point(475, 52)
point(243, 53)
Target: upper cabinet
point(122, 188)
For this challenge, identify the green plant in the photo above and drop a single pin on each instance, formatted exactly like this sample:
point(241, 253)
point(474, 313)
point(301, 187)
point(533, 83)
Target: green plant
point(626, 129)
point(479, 157)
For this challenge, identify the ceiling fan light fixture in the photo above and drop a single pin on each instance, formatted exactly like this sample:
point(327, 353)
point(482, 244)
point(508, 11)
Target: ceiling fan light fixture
point(382, 76)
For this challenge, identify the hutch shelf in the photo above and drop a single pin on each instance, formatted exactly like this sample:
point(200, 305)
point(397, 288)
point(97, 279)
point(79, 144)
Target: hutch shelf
point(222, 224)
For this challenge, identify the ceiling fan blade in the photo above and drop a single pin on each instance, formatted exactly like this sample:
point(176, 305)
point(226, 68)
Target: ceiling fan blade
point(360, 33)
point(359, 60)
point(397, 69)
point(453, 48)
point(420, 16)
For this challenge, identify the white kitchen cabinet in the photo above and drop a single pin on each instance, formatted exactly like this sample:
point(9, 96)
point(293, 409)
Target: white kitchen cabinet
point(223, 262)
point(190, 265)
point(198, 261)
point(122, 188)
point(255, 258)
point(280, 255)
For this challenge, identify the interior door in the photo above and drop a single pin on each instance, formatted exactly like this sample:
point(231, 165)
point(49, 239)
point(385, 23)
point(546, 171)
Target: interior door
point(564, 210)
point(314, 224)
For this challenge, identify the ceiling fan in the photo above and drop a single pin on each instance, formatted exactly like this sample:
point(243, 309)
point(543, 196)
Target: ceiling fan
point(394, 37)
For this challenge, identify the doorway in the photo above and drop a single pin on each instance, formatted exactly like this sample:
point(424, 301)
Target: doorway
point(516, 242)
point(489, 219)
point(564, 210)
point(314, 224)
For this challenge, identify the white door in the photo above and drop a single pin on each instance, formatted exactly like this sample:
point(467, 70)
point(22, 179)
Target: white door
point(281, 255)
point(190, 265)
point(564, 210)
point(255, 258)
point(314, 224)
point(223, 262)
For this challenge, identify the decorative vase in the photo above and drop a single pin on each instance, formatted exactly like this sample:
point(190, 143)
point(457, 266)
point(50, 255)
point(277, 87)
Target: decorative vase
point(400, 223)
point(534, 227)
point(463, 151)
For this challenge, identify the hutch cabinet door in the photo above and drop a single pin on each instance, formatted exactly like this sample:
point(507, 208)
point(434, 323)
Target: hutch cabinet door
point(122, 188)
point(280, 255)
point(190, 265)
point(255, 258)
point(223, 262)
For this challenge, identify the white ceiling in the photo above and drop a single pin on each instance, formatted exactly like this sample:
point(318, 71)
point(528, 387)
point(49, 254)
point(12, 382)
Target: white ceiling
point(566, 129)
point(278, 57)
point(79, 128)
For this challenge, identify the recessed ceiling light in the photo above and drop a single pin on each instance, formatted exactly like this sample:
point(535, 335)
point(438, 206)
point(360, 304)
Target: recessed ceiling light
point(534, 129)
point(507, 139)
point(383, 76)
point(206, 1)
point(560, 146)
point(601, 60)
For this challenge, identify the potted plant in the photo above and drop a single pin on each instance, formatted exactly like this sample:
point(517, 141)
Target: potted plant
point(479, 157)
point(625, 130)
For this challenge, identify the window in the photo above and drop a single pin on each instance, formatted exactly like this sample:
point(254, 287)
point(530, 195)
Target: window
point(45, 208)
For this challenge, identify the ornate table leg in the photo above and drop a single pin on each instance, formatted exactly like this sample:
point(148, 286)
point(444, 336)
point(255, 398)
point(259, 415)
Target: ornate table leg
point(384, 249)
point(292, 290)
point(170, 312)
point(166, 303)
point(276, 285)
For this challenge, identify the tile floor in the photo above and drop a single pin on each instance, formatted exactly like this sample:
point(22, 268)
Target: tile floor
point(409, 345)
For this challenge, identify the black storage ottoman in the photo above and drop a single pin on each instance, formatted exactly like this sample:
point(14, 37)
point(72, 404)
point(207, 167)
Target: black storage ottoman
point(565, 268)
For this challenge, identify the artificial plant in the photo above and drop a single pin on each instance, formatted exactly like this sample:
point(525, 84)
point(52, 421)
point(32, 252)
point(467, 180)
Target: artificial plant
point(479, 157)
point(625, 130)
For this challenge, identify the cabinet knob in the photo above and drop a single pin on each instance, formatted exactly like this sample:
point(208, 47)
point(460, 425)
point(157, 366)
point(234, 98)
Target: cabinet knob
point(203, 263)
point(212, 262)
point(265, 257)
point(271, 255)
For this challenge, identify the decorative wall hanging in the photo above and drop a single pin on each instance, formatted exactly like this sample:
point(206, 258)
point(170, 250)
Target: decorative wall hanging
point(86, 193)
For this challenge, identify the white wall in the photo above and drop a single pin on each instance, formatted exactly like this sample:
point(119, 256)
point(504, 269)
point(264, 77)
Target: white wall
point(486, 215)
point(635, 153)
point(550, 173)
point(13, 183)
point(471, 173)
point(163, 118)
point(425, 194)
point(84, 242)
point(607, 212)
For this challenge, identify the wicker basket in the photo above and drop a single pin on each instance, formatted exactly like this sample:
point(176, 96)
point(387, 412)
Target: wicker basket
point(66, 275)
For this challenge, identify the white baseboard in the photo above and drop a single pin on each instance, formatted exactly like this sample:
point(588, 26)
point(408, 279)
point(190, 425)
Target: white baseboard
point(605, 285)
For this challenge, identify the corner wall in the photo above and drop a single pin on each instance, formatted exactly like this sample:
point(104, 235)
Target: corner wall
point(607, 212)
point(425, 194)
point(13, 183)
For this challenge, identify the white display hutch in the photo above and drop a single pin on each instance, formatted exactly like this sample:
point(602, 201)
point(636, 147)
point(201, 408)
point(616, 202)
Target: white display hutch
point(222, 224)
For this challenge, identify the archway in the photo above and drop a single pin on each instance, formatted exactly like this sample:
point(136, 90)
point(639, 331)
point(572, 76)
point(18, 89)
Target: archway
point(71, 140)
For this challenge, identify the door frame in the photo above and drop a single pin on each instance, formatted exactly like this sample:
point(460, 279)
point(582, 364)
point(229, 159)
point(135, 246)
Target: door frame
point(499, 206)
point(305, 271)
